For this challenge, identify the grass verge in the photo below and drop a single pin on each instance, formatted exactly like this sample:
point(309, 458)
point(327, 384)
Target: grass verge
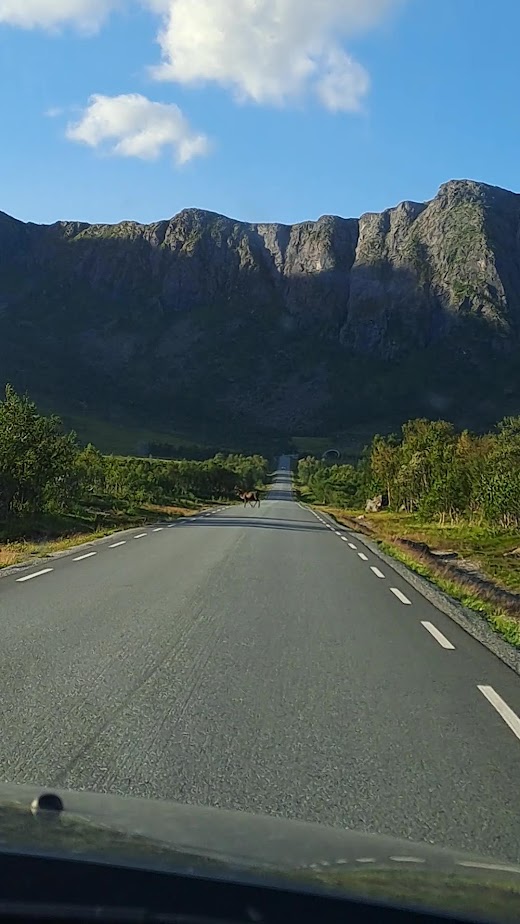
point(505, 624)
point(36, 537)
point(490, 592)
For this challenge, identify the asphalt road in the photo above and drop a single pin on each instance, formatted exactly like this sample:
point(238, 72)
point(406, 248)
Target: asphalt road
point(254, 659)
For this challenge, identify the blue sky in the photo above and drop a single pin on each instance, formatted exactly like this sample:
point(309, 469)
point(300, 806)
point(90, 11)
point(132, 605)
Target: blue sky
point(265, 110)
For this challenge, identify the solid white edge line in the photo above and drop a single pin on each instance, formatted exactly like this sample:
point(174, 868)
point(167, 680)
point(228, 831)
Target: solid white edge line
point(363, 556)
point(36, 574)
point(141, 536)
point(505, 711)
point(471, 864)
point(83, 557)
point(438, 636)
point(400, 596)
point(117, 544)
point(377, 572)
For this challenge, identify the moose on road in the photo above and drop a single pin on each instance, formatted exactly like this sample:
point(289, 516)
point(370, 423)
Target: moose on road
point(249, 497)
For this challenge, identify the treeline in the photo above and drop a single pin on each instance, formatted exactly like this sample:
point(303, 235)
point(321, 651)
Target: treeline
point(169, 451)
point(432, 470)
point(44, 469)
point(337, 485)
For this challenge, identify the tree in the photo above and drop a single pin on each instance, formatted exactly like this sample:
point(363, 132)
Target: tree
point(36, 458)
point(385, 460)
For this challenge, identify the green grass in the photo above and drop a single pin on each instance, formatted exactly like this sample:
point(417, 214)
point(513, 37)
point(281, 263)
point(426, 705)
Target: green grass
point(350, 443)
point(47, 533)
point(506, 626)
point(314, 445)
point(483, 546)
point(121, 440)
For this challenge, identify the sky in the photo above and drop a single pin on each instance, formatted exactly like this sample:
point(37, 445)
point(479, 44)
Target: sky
point(263, 110)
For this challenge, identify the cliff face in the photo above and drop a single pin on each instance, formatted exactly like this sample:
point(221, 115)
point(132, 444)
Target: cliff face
point(204, 317)
point(421, 271)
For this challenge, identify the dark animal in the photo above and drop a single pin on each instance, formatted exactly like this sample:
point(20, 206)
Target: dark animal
point(249, 497)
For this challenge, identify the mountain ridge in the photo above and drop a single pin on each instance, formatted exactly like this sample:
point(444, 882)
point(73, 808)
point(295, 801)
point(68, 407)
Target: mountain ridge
point(202, 317)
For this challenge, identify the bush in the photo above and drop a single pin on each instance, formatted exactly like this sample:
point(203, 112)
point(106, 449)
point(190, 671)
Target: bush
point(432, 470)
point(43, 469)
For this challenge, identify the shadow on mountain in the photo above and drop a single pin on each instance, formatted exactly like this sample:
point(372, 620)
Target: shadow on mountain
point(191, 340)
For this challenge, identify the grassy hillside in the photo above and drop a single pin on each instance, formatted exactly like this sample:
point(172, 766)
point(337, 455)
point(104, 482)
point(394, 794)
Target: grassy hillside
point(122, 440)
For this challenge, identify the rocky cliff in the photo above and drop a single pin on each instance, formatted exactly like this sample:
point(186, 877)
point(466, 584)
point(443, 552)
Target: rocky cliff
point(298, 329)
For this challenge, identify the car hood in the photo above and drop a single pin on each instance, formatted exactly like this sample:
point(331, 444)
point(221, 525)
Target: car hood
point(200, 840)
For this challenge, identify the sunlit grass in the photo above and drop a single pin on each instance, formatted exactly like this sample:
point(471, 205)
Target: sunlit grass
point(503, 623)
point(48, 534)
point(485, 547)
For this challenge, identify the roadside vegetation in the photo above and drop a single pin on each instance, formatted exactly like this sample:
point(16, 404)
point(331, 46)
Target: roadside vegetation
point(55, 493)
point(449, 508)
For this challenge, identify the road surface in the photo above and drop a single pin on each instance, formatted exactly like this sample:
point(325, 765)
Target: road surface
point(259, 659)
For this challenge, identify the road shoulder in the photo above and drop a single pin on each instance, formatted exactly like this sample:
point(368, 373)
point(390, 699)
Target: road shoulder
point(467, 619)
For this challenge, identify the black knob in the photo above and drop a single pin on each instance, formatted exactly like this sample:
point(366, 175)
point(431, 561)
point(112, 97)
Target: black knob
point(47, 802)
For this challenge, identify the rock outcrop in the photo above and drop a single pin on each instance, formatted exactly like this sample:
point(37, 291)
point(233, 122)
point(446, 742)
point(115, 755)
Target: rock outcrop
point(271, 326)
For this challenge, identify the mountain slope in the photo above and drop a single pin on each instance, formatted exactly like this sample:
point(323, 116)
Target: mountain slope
point(216, 325)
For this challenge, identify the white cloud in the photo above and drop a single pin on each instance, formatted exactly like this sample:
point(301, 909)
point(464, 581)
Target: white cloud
point(133, 126)
point(343, 83)
point(87, 15)
point(268, 51)
point(272, 52)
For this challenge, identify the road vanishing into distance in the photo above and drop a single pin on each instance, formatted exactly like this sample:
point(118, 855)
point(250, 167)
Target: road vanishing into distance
point(264, 660)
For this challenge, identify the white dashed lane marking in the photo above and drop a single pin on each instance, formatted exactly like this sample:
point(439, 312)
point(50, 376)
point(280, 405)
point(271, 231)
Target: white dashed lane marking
point(344, 539)
point(362, 556)
point(141, 536)
point(159, 529)
point(352, 546)
point(438, 636)
point(116, 545)
point(377, 572)
point(407, 860)
point(83, 557)
point(505, 711)
point(400, 596)
point(29, 577)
